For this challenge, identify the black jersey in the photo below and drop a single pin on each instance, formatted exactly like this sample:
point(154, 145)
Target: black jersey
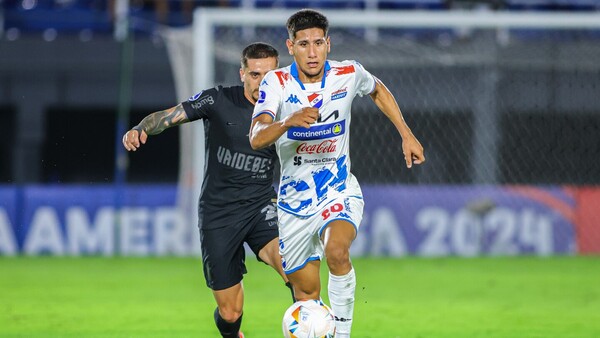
point(237, 178)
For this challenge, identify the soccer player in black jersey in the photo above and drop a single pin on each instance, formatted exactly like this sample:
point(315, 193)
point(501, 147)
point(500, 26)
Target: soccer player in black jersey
point(237, 203)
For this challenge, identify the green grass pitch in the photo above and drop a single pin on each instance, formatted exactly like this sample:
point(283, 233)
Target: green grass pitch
point(408, 298)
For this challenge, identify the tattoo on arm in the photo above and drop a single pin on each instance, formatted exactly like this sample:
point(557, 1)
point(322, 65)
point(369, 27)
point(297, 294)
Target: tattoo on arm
point(157, 122)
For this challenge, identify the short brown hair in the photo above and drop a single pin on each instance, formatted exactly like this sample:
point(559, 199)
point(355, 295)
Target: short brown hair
point(258, 50)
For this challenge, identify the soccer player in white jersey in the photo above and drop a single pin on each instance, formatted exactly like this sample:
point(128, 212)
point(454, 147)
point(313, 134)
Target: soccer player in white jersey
point(305, 110)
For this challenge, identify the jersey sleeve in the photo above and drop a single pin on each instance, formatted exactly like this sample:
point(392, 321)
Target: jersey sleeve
point(269, 96)
point(199, 106)
point(365, 81)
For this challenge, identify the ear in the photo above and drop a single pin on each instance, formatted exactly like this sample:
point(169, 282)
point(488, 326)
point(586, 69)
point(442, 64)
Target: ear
point(242, 73)
point(290, 46)
point(328, 45)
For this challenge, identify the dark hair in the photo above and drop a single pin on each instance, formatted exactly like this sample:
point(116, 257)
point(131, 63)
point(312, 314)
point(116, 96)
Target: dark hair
point(305, 19)
point(258, 50)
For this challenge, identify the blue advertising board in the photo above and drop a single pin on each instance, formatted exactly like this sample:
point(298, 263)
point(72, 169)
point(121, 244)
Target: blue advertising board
point(8, 220)
point(398, 221)
point(96, 220)
point(463, 221)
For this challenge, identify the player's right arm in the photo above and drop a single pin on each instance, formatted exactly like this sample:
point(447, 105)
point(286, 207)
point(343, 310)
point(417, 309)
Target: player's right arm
point(264, 131)
point(265, 128)
point(153, 124)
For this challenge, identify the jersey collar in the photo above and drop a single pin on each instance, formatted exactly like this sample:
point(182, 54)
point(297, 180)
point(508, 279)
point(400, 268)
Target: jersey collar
point(294, 72)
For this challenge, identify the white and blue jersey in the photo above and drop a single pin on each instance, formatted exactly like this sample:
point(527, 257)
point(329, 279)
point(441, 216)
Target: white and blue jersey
point(315, 162)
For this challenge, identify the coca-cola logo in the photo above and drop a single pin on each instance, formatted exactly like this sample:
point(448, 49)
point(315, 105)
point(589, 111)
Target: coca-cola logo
point(327, 146)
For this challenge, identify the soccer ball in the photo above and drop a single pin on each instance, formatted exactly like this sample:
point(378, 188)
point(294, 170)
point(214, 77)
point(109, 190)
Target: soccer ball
point(308, 319)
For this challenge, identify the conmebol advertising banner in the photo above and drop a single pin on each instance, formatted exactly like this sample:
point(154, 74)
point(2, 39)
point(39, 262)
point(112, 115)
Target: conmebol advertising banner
point(398, 221)
point(466, 221)
point(8, 221)
point(98, 220)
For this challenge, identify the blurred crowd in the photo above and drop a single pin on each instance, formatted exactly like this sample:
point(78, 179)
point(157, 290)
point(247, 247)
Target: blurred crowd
point(98, 15)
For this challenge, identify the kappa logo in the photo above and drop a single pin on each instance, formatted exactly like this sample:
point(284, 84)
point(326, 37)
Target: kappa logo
point(293, 99)
point(340, 319)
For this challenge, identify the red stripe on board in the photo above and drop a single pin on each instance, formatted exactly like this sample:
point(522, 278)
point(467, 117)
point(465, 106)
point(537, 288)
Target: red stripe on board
point(546, 198)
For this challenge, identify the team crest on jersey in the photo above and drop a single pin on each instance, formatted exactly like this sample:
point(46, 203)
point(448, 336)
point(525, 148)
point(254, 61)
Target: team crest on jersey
point(315, 100)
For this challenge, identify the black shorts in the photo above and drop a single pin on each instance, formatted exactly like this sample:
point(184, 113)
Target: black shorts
point(223, 254)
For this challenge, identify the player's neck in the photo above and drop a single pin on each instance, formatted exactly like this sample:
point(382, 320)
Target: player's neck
point(305, 78)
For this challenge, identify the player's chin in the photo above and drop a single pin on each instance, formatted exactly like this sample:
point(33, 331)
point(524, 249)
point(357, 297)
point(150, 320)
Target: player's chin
point(313, 71)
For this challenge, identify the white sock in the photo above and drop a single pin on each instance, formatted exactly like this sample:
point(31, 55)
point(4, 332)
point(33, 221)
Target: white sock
point(341, 296)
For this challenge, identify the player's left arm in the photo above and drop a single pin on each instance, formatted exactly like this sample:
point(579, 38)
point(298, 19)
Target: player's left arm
point(384, 99)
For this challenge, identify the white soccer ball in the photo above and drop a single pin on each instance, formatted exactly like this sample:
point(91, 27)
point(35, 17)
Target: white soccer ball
point(309, 319)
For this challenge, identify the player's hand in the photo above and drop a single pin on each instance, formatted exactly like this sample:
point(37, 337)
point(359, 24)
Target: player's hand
point(302, 118)
point(413, 151)
point(133, 139)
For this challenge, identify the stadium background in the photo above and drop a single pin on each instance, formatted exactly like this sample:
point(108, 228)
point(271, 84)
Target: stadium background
point(509, 119)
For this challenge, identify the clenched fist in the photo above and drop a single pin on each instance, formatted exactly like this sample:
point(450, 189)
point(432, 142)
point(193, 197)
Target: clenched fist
point(134, 138)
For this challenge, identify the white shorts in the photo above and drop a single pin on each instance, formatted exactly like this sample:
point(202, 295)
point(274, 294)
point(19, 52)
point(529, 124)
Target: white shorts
point(300, 236)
